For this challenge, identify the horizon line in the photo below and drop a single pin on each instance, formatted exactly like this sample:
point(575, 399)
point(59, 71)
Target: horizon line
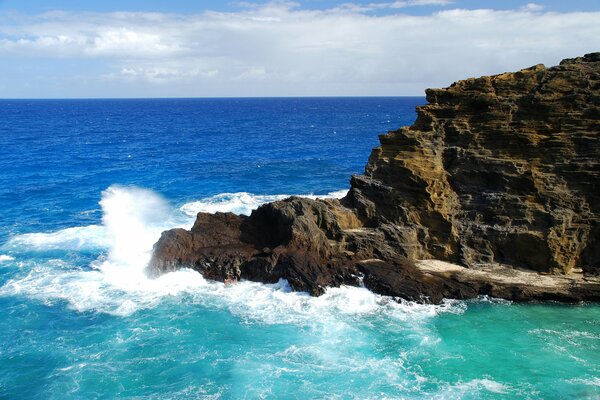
point(203, 97)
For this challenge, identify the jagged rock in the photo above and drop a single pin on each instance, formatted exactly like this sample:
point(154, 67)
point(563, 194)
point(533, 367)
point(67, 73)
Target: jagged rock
point(311, 243)
point(499, 174)
point(499, 169)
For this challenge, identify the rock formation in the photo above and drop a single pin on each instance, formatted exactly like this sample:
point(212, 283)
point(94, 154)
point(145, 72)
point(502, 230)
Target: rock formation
point(499, 174)
point(497, 169)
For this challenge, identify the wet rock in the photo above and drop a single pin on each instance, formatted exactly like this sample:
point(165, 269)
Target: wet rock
point(293, 239)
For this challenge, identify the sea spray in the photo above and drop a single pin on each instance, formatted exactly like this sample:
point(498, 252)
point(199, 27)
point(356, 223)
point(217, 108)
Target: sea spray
point(133, 219)
point(116, 283)
point(79, 238)
point(243, 202)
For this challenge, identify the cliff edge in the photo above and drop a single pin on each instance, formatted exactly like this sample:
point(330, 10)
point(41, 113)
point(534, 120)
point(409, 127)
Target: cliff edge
point(502, 168)
point(499, 174)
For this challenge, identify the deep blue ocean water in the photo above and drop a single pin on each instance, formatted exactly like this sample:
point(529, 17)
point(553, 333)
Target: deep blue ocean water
point(86, 187)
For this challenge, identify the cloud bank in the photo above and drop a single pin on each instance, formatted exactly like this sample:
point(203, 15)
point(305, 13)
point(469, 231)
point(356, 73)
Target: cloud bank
point(277, 49)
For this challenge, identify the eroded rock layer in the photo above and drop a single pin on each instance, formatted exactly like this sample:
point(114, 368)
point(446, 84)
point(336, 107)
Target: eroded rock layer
point(499, 174)
point(501, 169)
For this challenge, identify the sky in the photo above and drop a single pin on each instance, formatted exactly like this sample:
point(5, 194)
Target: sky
point(185, 48)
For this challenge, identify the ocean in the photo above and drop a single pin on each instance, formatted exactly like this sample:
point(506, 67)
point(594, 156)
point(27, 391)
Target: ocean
point(87, 186)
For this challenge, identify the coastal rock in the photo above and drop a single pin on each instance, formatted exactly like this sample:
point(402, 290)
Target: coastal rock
point(313, 244)
point(498, 169)
point(499, 174)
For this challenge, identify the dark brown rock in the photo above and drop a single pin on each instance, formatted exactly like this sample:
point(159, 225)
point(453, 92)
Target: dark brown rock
point(313, 244)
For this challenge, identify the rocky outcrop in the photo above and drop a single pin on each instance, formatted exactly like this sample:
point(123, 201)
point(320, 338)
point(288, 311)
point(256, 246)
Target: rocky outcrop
point(498, 169)
point(313, 244)
point(499, 174)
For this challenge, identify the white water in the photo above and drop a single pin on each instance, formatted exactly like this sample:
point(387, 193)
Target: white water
point(116, 282)
point(243, 202)
point(89, 237)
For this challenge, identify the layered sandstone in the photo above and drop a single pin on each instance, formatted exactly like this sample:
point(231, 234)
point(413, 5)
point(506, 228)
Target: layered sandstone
point(499, 174)
point(501, 168)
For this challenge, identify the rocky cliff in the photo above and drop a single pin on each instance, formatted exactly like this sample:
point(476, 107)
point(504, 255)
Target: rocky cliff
point(501, 168)
point(499, 174)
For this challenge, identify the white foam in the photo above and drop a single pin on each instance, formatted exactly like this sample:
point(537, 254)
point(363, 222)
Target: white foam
point(238, 203)
point(338, 194)
point(593, 381)
point(243, 202)
point(90, 237)
point(276, 303)
point(471, 388)
point(4, 257)
point(565, 335)
point(133, 219)
point(116, 283)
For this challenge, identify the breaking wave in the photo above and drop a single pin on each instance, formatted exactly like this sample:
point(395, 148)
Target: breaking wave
point(116, 283)
point(243, 202)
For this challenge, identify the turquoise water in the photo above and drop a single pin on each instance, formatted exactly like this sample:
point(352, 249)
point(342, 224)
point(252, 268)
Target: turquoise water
point(87, 187)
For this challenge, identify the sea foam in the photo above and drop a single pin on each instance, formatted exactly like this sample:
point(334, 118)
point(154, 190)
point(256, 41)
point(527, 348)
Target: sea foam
point(91, 237)
point(243, 202)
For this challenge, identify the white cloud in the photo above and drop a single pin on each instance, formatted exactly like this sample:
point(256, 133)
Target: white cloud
point(162, 74)
point(279, 49)
point(532, 7)
point(393, 5)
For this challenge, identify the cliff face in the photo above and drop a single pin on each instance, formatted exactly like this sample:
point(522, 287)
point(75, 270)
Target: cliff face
point(500, 174)
point(496, 169)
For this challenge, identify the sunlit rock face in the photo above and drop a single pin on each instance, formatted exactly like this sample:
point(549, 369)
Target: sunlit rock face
point(500, 168)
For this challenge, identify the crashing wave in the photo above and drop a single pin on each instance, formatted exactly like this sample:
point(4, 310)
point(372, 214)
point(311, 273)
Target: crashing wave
point(116, 283)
